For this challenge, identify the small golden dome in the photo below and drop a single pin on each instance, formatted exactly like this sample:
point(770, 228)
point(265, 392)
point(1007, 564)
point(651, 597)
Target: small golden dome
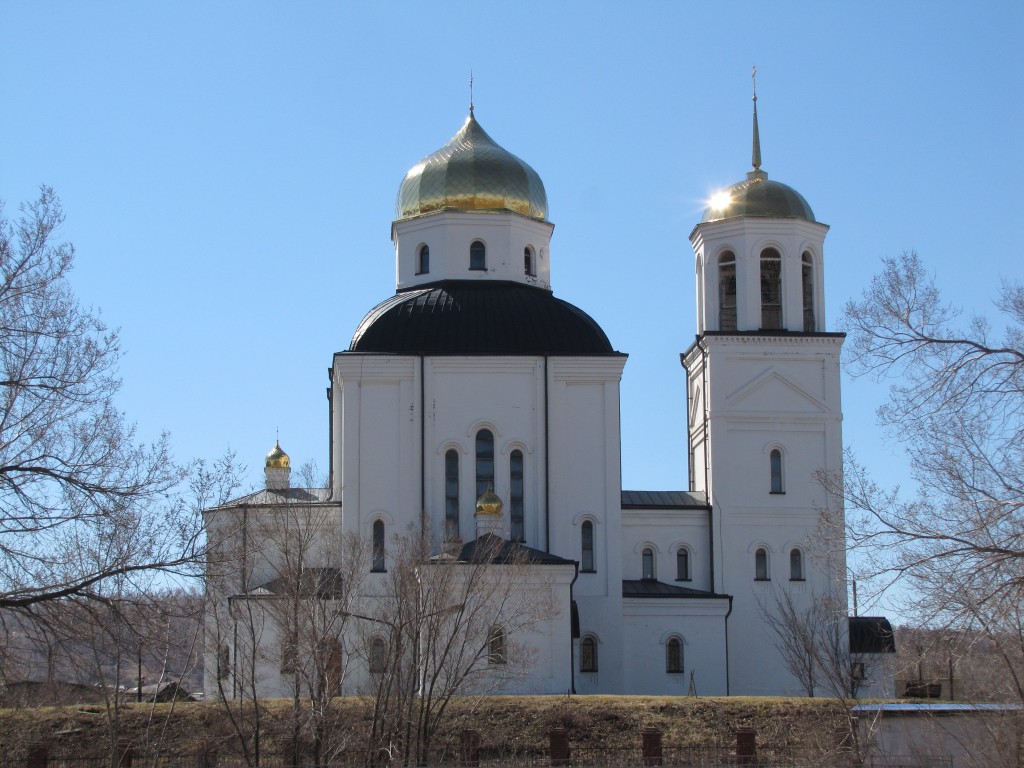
point(471, 173)
point(277, 458)
point(489, 503)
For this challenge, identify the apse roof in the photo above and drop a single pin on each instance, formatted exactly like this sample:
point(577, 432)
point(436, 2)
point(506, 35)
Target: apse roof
point(663, 500)
point(651, 588)
point(476, 317)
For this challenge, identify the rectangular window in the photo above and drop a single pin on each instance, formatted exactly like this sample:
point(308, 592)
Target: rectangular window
point(516, 495)
point(451, 494)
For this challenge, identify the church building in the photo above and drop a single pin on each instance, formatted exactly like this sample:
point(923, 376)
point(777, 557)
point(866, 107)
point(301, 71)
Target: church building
point(473, 405)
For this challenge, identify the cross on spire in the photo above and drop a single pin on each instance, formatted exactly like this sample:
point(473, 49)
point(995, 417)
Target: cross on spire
point(755, 158)
point(471, 92)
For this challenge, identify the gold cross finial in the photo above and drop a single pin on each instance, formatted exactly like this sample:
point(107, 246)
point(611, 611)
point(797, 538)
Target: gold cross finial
point(753, 77)
point(756, 153)
point(471, 92)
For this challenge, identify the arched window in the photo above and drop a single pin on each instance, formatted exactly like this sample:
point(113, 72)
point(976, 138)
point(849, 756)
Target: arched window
point(516, 494)
point(807, 276)
point(423, 260)
point(529, 265)
point(647, 564)
point(771, 288)
point(378, 655)
point(588, 654)
point(674, 655)
point(496, 646)
point(682, 564)
point(587, 547)
point(477, 255)
point(484, 461)
point(451, 494)
point(796, 565)
point(378, 546)
point(775, 461)
point(727, 292)
point(761, 564)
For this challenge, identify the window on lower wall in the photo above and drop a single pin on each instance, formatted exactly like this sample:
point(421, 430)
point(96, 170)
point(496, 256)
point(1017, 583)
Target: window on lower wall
point(796, 565)
point(496, 652)
point(378, 655)
point(516, 495)
point(682, 564)
point(761, 564)
point(378, 546)
point(588, 654)
point(775, 467)
point(674, 655)
point(451, 494)
point(289, 654)
point(647, 564)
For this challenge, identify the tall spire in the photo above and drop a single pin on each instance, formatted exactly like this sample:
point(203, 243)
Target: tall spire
point(471, 92)
point(756, 155)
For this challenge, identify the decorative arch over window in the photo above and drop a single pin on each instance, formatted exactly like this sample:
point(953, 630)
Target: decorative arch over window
point(588, 654)
point(807, 279)
point(587, 547)
point(647, 572)
point(516, 495)
point(484, 461)
point(423, 260)
point(775, 469)
point(761, 565)
point(529, 263)
point(796, 565)
point(496, 651)
point(674, 655)
point(727, 291)
point(378, 655)
point(771, 288)
point(682, 564)
point(478, 255)
point(378, 547)
point(451, 494)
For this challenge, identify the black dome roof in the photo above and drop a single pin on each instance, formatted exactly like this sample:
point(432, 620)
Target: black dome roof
point(476, 317)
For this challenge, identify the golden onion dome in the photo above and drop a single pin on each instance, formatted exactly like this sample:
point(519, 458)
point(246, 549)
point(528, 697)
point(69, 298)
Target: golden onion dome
point(277, 458)
point(489, 503)
point(471, 173)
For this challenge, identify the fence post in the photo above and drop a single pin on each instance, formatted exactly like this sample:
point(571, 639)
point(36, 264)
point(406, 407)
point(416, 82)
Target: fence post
point(558, 740)
point(470, 752)
point(650, 746)
point(746, 746)
point(38, 756)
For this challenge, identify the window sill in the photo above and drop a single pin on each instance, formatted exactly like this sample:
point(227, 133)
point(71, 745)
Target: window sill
point(762, 580)
point(588, 570)
point(674, 671)
point(777, 493)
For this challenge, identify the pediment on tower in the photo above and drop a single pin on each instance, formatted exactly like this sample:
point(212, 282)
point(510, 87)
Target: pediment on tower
point(772, 392)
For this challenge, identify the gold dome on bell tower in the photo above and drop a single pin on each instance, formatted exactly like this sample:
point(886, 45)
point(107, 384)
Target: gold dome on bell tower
point(471, 173)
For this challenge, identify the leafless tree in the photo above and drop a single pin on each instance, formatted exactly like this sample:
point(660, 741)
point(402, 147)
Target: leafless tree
point(447, 626)
point(957, 406)
point(80, 500)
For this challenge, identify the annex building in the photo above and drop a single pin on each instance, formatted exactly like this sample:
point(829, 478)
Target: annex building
point(473, 406)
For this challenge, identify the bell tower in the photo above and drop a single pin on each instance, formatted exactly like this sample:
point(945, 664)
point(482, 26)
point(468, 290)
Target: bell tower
point(764, 412)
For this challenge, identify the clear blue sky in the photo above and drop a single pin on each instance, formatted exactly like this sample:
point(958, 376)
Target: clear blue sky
point(229, 173)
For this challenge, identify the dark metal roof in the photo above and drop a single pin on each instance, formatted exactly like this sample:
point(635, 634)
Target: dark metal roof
point(479, 317)
point(312, 582)
point(871, 634)
point(663, 500)
point(651, 588)
point(494, 549)
point(277, 496)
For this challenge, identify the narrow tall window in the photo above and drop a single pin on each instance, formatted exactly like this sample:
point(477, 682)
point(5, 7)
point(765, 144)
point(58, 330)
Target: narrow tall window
point(587, 546)
point(761, 565)
point(477, 255)
point(674, 655)
point(588, 654)
point(529, 266)
point(484, 461)
point(727, 292)
point(682, 564)
point(796, 565)
point(807, 274)
point(451, 494)
point(378, 658)
point(647, 564)
point(423, 260)
point(775, 460)
point(771, 288)
point(496, 646)
point(223, 662)
point(378, 545)
point(516, 495)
